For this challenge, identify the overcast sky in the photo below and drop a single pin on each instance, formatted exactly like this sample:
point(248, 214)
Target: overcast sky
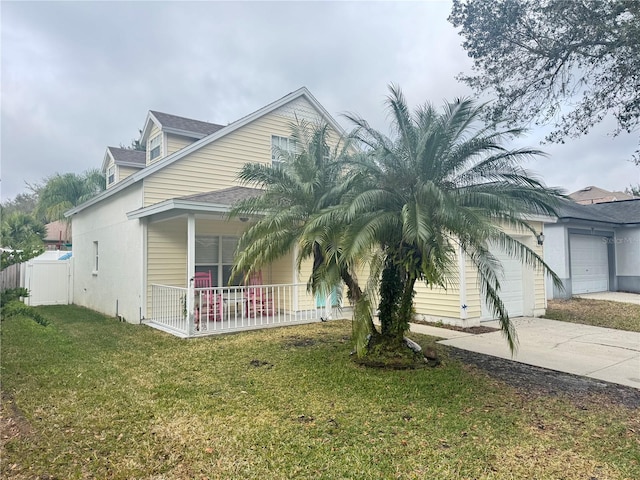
point(80, 76)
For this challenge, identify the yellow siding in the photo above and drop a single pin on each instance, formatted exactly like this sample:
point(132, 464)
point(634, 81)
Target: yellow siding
point(538, 274)
point(177, 142)
point(124, 172)
point(281, 271)
point(216, 166)
point(473, 300)
point(437, 302)
point(166, 254)
point(154, 131)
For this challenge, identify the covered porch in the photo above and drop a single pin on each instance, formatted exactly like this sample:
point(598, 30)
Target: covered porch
point(189, 238)
point(195, 312)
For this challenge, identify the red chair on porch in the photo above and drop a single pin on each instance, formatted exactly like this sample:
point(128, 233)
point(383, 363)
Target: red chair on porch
point(259, 299)
point(208, 303)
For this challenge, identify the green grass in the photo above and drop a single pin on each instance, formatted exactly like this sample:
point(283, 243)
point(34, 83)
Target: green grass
point(600, 313)
point(89, 397)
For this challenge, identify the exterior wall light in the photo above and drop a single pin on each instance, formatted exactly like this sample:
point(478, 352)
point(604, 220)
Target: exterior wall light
point(540, 238)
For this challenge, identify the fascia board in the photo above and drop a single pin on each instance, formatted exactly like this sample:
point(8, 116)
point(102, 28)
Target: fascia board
point(151, 119)
point(176, 204)
point(184, 133)
point(107, 158)
point(540, 218)
point(129, 164)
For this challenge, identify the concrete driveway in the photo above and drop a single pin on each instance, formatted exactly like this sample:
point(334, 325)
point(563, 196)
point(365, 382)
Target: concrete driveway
point(623, 297)
point(596, 352)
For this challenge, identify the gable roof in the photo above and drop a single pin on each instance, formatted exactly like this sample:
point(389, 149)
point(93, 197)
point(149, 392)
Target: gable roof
point(124, 157)
point(183, 152)
point(591, 194)
point(624, 212)
point(185, 126)
point(217, 201)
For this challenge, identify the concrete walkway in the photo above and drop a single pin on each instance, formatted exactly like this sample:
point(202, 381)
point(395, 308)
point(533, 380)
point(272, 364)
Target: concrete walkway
point(596, 352)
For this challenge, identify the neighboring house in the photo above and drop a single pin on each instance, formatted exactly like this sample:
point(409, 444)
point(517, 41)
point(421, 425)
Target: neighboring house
point(58, 236)
point(590, 195)
point(595, 248)
point(162, 219)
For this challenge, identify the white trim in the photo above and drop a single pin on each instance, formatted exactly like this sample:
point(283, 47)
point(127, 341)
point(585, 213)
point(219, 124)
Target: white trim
point(462, 279)
point(130, 164)
point(146, 129)
point(183, 152)
point(539, 218)
point(145, 238)
point(191, 268)
point(177, 204)
point(183, 133)
point(108, 157)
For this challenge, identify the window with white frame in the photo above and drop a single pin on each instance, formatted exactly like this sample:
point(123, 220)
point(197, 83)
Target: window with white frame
point(214, 253)
point(95, 258)
point(155, 145)
point(279, 147)
point(111, 175)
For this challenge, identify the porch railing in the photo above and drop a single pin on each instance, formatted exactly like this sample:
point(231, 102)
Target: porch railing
point(226, 309)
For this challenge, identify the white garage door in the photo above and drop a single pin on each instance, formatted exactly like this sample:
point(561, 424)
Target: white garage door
point(589, 264)
point(511, 286)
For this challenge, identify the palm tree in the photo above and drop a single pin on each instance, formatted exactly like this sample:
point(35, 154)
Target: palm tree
point(64, 191)
point(23, 237)
point(442, 182)
point(20, 230)
point(308, 181)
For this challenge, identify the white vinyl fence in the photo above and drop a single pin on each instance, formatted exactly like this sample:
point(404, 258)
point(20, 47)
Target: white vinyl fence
point(50, 282)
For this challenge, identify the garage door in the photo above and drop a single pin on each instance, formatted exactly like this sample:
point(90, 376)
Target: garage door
point(589, 264)
point(511, 286)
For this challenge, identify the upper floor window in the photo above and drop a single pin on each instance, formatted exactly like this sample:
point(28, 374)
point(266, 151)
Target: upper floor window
point(280, 146)
point(154, 146)
point(111, 175)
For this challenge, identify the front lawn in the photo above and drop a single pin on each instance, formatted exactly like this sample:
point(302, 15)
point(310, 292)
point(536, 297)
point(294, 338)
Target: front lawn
point(600, 313)
point(89, 397)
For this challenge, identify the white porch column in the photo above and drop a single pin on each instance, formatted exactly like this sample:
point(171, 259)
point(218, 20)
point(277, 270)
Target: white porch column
point(294, 276)
point(191, 269)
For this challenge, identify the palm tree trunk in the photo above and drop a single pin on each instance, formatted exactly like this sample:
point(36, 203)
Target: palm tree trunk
point(355, 294)
point(391, 286)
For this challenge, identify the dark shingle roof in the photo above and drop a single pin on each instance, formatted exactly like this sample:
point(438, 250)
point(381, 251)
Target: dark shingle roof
point(226, 196)
point(186, 124)
point(621, 212)
point(625, 211)
point(128, 156)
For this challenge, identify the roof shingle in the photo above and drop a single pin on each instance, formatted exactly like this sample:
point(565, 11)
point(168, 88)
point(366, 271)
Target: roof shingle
point(127, 155)
point(186, 124)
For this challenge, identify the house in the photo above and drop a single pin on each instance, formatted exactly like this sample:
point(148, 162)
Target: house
point(595, 248)
point(58, 236)
point(139, 245)
point(591, 194)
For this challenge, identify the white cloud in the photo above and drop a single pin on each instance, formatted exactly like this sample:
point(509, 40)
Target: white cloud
point(78, 76)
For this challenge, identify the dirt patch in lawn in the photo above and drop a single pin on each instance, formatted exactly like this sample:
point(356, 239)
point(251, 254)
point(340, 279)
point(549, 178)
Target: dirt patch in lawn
point(12, 421)
point(535, 381)
point(473, 330)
